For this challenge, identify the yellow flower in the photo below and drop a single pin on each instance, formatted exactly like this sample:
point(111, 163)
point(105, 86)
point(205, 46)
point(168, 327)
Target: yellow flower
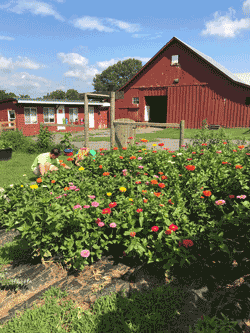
point(123, 189)
point(21, 185)
point(154, 144)
point(109, 194)
point(130, 199)
point(81, 168)
point(33, 186)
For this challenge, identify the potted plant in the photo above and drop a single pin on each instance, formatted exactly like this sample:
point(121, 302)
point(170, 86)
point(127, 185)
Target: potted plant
point(5, 151)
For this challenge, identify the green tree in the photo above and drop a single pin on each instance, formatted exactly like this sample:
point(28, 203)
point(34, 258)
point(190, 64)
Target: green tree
point(118, 74)
point(72, 94)
point(58, 94)
point(24, 96)
point(4, 95)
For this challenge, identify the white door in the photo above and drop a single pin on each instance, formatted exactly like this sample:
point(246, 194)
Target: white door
point(147, 112)
point(60, 116)
point(91, 117)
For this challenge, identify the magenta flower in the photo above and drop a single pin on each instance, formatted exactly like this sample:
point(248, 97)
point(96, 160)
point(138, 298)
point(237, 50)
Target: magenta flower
point(220, 202)
point(85, 253)
point(78, 206)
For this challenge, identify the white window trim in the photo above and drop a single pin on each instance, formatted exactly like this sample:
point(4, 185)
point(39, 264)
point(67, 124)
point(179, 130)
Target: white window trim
point(49, 122)
point(29, 108)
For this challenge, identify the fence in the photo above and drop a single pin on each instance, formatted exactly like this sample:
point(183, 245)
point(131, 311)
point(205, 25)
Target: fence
point(3, 128)
point(121, 134)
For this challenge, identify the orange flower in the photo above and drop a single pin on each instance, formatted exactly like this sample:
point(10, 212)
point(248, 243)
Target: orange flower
point(39, 180)
point(207, 193)
point(53, 181)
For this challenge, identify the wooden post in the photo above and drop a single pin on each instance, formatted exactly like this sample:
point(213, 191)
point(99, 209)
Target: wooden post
point(86, 116)
point(182, 125)
point(112, 118)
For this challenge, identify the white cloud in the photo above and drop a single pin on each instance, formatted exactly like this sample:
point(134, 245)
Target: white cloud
point(27, 63)
point(128, 27)
point(34, 7)
point(6, 38)
point(94, 23)
point(73, 59)
point(90, 23)
point(224, 26)
point(105, 64)
point(140, 35)
point(6, 63)
point(89, 73)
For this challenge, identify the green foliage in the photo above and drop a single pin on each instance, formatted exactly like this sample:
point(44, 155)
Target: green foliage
point(71, 94)
point(118, 74)
point(24, 96)
point(4, 95)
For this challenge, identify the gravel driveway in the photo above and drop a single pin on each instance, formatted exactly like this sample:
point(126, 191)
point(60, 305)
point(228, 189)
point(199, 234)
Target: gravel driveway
point(171, 144)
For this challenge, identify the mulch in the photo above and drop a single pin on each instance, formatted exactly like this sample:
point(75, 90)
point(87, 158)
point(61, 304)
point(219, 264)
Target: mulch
point(105, 276)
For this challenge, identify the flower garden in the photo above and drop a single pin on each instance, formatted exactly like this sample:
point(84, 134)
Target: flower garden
point(139, 199)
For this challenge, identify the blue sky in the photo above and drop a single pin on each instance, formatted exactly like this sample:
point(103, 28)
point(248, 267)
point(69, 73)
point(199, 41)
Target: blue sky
point(61, 44)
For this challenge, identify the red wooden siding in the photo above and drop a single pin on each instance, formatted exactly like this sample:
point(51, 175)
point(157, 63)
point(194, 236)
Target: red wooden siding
point(198, 95)
point(100, 117)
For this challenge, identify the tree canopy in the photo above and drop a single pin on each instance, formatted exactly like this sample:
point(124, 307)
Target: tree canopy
point(4, 95)
point(118, 74)
point(71, 95)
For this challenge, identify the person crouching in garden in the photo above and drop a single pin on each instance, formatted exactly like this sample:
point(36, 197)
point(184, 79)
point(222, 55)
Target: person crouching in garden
point(43, 162)
point(79, 156)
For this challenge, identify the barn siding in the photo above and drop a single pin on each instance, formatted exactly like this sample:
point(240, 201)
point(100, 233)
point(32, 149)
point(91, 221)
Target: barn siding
point(199, 94)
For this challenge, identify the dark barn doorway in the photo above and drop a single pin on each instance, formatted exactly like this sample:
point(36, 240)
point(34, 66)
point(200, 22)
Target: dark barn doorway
point(158, 108)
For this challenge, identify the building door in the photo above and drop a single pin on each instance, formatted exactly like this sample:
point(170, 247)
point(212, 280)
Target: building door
point(158, 108)
point(60, 112)
point(11, 117)
point(91, 117)
point(147, 113)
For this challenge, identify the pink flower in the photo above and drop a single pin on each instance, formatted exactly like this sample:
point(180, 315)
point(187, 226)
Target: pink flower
point(241, 196)
point(91, 196)
point(140, 166)
point(86, 206)
point(85, 253)
point(77, 206)
point(112, 225)
point(220, 202)
point(95, 204)
point(100, 224)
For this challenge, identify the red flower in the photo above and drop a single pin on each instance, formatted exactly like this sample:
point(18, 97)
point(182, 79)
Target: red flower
point(106, 211)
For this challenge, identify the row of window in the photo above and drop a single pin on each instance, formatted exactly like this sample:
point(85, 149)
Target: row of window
point(30, 115)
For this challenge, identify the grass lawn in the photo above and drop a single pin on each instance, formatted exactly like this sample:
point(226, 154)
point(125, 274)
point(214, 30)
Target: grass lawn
point(125, 315)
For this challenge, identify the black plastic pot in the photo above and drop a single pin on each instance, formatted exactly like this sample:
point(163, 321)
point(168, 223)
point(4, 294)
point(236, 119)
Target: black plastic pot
point(5, 154)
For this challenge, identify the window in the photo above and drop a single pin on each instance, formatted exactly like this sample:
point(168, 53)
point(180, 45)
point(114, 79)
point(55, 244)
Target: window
point(73, 115)
point(174, 59)
point(247, 102)
point(135, 100)
point(30, 116)
point(48, 115)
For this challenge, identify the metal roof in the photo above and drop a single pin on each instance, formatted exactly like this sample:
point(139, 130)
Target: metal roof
point(58, 101)
point(202, 55)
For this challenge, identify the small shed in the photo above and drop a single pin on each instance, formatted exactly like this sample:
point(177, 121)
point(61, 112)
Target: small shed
point(182, 83)
point(29, 113)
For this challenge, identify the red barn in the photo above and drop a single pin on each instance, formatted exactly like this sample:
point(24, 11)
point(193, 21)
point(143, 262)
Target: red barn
point(29, 113)
point(181, 83)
